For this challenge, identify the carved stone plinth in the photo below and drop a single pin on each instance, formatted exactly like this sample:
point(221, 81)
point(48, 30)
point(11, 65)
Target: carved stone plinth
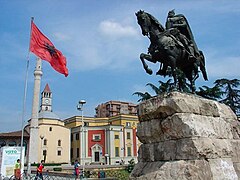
point(187, 137)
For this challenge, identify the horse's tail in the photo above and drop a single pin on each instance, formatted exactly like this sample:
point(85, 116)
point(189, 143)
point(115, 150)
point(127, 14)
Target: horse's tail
point(202, 66)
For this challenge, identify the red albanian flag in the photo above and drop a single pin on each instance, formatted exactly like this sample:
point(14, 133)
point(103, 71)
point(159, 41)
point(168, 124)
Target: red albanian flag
point(42, 47)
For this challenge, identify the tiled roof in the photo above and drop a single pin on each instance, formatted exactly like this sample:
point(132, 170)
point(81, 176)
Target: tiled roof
point(47, 89)
point(14, 134)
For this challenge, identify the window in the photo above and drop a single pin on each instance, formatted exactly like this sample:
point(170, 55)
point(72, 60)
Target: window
point(77, 136)
point(128, 135)
point(50, 129)
point(97, 137)
point(117, 151)
point(129, 150)
point(45, 142)
point(12, 143)
point(2, 143)
point(77, 152)
point(71, 153)
point(71, 137)
point(116, 136)
point(128, 124)
point(44, 152)
point(59, 153)
point(59, 142)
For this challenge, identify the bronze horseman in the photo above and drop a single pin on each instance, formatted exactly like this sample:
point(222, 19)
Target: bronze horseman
point(173, 47)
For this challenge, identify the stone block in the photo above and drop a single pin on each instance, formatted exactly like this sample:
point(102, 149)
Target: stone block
point(172, 170)
point(167, 104)
point(237, 168)
point(146, 153)
point(150, 131)
point(182, 125)
point(235, 129)
point(203, 148)
point(187, 137)
point(236, 151)
point(186, 149)
point(222, 169)
point(226, 112)
point(165, 151)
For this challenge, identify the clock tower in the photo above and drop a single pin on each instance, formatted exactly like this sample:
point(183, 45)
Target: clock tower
point(46, 99)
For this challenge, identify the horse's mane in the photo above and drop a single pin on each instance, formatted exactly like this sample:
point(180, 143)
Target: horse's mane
point(155, 21)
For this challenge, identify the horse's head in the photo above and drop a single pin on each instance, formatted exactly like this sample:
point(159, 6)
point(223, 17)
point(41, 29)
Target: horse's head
point(144, 22)
point(147, 23)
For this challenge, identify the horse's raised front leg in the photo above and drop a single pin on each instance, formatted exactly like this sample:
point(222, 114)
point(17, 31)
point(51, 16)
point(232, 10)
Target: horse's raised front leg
point(149, 58)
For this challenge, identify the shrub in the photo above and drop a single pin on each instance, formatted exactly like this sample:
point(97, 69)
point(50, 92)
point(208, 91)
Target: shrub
point(130, 165)
point(57, 169)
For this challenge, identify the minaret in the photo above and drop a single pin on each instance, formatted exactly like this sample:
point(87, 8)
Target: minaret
point(34, 136)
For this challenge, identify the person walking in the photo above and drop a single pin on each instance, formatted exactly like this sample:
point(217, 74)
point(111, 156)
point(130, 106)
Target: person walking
point(40, 170)
point(76, 169)
point(17, 169)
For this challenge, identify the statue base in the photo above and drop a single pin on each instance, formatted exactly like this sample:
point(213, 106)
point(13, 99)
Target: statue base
point(185, 136)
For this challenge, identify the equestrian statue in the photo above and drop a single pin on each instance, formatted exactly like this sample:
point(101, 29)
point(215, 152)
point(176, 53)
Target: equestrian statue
point(172, 46)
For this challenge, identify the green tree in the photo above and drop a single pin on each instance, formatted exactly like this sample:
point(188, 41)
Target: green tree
point(144, 96)
point(213, 93)
point(163, 87)
point(230, 92)
point(182, 84)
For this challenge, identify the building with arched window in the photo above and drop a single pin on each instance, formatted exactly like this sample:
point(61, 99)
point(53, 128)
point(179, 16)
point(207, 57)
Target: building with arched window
point(54, 137)
point(106, 140)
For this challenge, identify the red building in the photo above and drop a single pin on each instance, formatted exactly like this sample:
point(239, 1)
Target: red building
point(103, 140)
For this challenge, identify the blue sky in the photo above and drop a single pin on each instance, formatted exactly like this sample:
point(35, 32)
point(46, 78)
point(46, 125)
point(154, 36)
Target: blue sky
point(102, 42)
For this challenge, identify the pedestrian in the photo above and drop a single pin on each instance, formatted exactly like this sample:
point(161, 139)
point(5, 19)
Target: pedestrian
point(40, 170)
point(76, 169)
point(17, 169)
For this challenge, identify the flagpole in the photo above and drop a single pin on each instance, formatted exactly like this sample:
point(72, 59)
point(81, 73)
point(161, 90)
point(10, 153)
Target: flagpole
point(24, 109)
point(25, 97)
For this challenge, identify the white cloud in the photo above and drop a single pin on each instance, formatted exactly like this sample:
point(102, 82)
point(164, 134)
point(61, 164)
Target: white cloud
point(114, 29)
point(115, 46)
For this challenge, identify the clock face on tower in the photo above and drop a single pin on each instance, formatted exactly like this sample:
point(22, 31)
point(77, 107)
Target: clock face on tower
point(46, 101)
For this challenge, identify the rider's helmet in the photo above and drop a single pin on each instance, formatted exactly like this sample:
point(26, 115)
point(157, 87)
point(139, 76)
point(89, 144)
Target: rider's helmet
point(171, 13)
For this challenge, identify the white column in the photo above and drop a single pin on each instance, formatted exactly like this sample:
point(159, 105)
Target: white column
point(86, 143)
point(34, 136)
point(108, 145)
point(83, 142)
point(122, 141)
point(111, 146)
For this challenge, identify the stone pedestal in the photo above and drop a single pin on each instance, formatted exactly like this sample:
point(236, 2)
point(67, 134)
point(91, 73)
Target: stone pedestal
point(187, 137)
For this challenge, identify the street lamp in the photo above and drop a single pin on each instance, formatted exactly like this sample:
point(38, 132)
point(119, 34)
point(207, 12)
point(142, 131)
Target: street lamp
point(80, 108)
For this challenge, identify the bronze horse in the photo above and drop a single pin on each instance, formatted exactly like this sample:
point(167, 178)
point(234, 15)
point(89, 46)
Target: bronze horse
point(167, 50)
